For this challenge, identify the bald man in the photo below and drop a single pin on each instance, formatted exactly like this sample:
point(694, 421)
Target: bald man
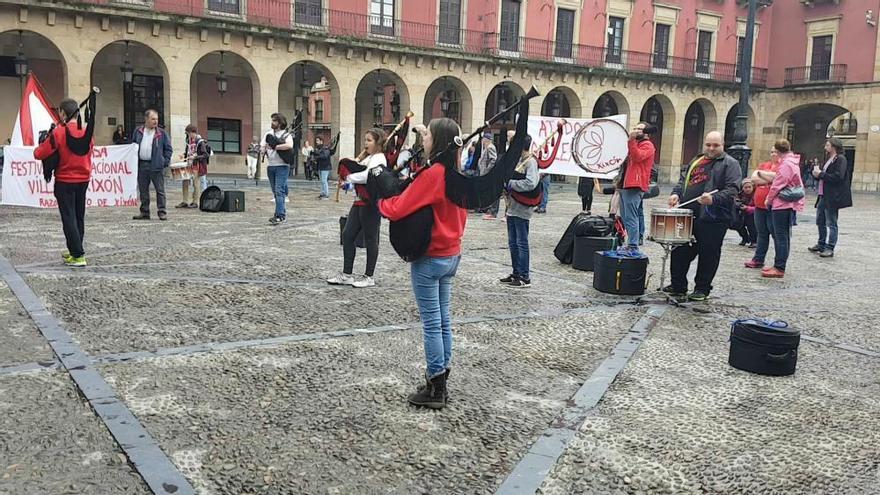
point(713, 169)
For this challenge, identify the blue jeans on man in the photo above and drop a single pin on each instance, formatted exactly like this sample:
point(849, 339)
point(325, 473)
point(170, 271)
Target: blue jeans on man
point(631, 210)
point(432, 287)
point(826, 221)
point(278, 183)
point(324, 175)
point(518, 242)
point(545, 185)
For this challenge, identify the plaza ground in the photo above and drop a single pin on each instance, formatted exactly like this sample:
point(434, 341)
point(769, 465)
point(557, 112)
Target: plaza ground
point(253, 375)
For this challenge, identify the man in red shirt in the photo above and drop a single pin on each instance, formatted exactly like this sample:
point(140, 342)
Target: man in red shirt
point(71, 181)
point(636, 178)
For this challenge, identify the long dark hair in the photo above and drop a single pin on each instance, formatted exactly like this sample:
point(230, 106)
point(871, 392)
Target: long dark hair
point(443, 133)
point(378, 137)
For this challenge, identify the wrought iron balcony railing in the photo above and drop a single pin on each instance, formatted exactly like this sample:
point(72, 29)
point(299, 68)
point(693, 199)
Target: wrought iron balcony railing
point(816, 74)
point(335, 23)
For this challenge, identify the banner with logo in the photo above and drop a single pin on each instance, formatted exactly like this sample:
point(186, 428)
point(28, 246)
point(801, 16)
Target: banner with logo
point(589, 147)
point(113, 182)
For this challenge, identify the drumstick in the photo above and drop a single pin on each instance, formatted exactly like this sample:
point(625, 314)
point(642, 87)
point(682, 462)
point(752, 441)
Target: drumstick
point(692, 200)
point(596, 186)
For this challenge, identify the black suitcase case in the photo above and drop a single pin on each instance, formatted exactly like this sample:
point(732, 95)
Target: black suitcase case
point(581, 225)
point(233, 201)
point(585, 247)
point(618, 275)
point(763, 348)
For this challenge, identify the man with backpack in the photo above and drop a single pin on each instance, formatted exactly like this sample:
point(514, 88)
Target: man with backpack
point(154, 156)
point(196, 153)
point(277, 144)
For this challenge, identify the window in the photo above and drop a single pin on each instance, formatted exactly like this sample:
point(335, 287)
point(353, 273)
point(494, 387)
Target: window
point(614, 48)
point(308, 12)
point(382, 17)
point(224, 135)
point(564, 32)
point(319, 110)
point(661, 46)
point(704, 52)
point(227, 6)
point(820, 61)
point(144, 93)
point(450, 22)
point(510, 25)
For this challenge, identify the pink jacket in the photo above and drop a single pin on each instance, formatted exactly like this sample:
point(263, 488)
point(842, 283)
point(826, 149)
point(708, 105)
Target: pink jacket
point(788, 174)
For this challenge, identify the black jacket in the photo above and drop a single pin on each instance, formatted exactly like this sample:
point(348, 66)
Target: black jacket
point(837, 190)
point(725, 176)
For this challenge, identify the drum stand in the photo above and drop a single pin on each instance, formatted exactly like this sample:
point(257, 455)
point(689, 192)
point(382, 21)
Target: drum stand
point(667, 248)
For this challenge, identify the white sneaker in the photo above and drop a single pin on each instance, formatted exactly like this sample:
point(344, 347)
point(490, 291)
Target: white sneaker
point(341, 279)
point(287, 200)
point(365, 281)
point(273, 199)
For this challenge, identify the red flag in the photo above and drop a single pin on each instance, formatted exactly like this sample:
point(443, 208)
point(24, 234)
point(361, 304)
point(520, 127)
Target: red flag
point(34, 115)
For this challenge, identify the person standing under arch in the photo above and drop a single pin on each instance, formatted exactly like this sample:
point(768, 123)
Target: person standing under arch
point(835, 193)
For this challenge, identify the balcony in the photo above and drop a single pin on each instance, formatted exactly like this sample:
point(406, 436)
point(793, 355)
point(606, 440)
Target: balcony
point(815, 74)
point(282, 14)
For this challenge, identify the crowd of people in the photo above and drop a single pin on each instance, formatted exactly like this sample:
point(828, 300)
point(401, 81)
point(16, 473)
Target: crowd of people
point(761, 207)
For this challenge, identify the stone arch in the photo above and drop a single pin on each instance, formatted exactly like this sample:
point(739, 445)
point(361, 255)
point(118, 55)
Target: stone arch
point(700, 118)
point(381, 94)
point(610, 103)
point(125, 102)
point(808, 126)
point(44, 59)
point(565, 100)
point(501, 96)
point(227, 120)
point(659, 111)
point(311, 87)
point(458, 101)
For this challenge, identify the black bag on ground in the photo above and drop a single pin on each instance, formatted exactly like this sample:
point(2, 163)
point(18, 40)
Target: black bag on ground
point(582, 225)
point(762, 347)
point(233, 201)
point(585, 248)
point(211, 199)
point(620, 275)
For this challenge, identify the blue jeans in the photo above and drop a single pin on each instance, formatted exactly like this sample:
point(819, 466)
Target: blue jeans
point(324, 175)
point(204, 180)
point(432, 287)
point(630, 212)
point(518, 242)
point(764, 226)
point(782, 222)
point(545, 183)
point(278, 182)
point(826, 221)
point(641, 222)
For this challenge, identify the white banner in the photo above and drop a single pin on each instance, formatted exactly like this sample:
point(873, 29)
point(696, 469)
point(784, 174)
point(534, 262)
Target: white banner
point(602, 148)
point(113, 182)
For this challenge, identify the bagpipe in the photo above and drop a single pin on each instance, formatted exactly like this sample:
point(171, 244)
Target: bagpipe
point(289, 156)
point(534, 197)
point(79, 146)
point(390, 148)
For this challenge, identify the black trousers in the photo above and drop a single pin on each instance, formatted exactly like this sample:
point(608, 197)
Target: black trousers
point(707, 248)
point(587, 200)
point(145, 178)
point(748, 231)
point(364, 218)
point(72, 206)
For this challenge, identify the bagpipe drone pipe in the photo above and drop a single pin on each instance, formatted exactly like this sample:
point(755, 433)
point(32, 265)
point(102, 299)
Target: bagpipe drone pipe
point(79, 146)
point(544, 157)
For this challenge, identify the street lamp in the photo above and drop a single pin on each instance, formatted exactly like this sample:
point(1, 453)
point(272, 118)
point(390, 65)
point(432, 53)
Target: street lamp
point(444, 104)
point(739, 149)
point(395, 105)
point(21, 63)
point(222, 81)
point(127, 69)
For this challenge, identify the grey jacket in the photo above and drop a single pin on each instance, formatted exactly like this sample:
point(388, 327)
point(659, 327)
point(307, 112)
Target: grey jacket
point(726, 176)
point(515, 208)
point(487, 159)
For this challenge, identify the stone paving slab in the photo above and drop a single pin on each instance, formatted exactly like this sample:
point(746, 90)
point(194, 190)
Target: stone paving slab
point(20, 341)
point(331, 416)
point(680, 420)
point(51, 442)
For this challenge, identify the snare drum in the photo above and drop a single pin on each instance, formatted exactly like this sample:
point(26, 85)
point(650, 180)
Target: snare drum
point(671, 225)
point(181, 171)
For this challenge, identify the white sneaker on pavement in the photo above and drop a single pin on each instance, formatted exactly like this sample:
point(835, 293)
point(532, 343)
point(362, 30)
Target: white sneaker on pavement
point(341, 279)
point(363, 282)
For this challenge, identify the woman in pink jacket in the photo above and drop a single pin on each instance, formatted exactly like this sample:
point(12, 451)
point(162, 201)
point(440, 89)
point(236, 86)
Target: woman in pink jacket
point(783, 212)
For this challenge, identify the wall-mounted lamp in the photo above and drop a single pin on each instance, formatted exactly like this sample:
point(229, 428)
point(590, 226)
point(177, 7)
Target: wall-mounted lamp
point(869, 18)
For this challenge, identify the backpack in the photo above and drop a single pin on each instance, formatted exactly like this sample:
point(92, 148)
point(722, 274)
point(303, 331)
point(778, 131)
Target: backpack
point(211, 199)
point(209, 151)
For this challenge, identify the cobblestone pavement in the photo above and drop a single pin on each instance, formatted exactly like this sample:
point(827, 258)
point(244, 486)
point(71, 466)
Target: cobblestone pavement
point(218, 332)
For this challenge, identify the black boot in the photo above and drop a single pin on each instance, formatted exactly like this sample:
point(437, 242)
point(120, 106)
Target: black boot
point(428, 383)
point(433, 394)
